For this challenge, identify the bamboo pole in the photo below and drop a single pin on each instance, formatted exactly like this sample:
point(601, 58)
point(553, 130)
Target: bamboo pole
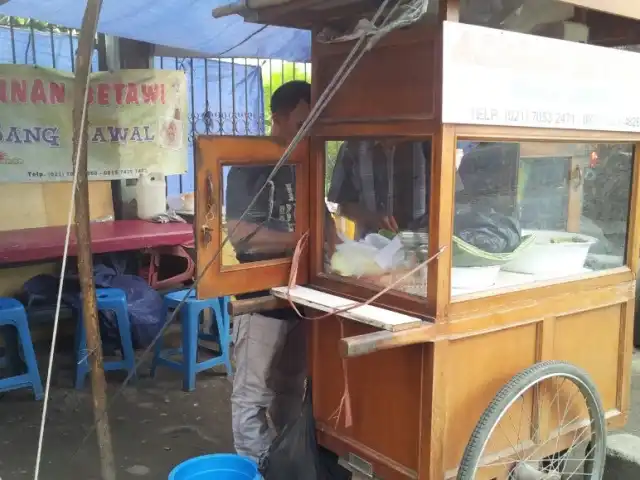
point(86, 44)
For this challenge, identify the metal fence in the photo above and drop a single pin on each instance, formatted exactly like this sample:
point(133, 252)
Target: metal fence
point(227, 96)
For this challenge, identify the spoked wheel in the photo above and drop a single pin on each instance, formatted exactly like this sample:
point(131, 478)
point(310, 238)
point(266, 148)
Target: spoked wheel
point(547, 423)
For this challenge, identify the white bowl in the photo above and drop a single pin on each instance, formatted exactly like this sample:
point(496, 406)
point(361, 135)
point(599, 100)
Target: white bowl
point(544, 257)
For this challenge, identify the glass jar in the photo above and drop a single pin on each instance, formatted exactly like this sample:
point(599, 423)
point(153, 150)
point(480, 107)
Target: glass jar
point(409, 246)
point(423, 256)
point(415, 245)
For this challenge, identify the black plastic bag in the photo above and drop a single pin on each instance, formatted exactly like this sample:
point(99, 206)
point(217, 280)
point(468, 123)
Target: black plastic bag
point(486, 229)
point(295, 455)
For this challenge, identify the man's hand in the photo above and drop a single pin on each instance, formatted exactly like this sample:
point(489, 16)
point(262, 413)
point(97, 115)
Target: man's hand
point(262, 239)
point(371, 220)
point(386, 223)
point(378, 221)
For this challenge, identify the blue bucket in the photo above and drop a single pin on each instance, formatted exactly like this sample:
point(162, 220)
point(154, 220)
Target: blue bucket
point(216, 467)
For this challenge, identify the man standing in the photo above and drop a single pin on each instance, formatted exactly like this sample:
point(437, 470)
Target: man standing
point(383, 184)
point(269, 347)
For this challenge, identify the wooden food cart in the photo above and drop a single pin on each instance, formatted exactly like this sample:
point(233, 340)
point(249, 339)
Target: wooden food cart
point(512, 88)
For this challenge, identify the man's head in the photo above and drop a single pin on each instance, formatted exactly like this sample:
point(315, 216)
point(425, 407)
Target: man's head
point(290, 105)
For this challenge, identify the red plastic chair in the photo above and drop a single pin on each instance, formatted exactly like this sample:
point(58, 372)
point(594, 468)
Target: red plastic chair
point(151, 273)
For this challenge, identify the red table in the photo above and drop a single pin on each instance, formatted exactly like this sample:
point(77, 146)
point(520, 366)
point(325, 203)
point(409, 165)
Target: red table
point(47, 243)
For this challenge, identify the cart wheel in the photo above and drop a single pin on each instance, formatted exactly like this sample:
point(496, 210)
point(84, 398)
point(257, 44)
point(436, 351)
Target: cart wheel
point(558, 432)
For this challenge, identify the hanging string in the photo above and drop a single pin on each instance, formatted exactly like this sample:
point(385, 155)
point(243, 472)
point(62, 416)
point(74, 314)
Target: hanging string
point(345, 400)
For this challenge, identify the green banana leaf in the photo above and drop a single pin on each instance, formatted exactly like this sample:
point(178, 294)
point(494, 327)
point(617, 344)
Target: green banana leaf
point(467, 255)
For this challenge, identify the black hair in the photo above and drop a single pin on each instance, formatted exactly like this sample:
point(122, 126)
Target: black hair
point(288, 95)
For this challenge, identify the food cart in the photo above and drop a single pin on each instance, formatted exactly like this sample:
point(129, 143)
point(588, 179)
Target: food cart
point(508, 354)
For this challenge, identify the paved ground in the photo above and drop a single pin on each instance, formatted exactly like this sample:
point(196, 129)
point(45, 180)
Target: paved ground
point(633, 426)
point(154, 426)
point(153, 423)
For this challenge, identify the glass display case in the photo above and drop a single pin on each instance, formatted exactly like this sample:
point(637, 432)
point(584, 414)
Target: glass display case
point(523, 212)
point(380, 188)
point(534, 212)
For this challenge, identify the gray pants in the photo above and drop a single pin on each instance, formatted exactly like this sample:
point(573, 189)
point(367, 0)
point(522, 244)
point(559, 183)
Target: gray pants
point(270, 368)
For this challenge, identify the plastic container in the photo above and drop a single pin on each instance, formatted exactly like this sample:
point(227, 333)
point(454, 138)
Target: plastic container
point(217, 467)
point(188, 202)
point(546, 258)
point(377, 240)
point(184, 203)
point(174, 202)
point(471, 278)
point(151, 195)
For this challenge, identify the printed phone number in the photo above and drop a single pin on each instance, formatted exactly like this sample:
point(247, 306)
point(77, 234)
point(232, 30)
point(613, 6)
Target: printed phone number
point(122, 172)
point(519, 116)
point(507, 116)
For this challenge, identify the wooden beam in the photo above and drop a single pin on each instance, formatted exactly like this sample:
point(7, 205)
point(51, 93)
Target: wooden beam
point(434, 410)
point(384, 340)
point(83, 232)
point(621, 8)
point(608, 30)
point(253, 305)
point(449, 10)
point(443, 179)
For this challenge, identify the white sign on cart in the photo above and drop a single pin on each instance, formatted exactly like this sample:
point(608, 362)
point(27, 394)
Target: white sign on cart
point(496, 77)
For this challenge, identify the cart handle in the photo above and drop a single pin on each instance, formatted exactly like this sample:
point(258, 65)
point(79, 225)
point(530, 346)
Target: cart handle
point(255, 305)
point(385, 340)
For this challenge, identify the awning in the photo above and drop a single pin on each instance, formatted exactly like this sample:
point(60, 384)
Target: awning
point(183, 24)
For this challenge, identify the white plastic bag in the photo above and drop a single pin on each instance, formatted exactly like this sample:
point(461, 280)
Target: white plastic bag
point(355, 259)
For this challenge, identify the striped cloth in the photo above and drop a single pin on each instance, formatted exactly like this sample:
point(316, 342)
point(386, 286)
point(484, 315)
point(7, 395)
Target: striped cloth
point(380, 179)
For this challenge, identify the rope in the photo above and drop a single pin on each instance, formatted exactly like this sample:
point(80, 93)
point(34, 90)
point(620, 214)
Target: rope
point(302, 244)
point(410, 12)
point(359, 49)
point(345, 400)
point(65, 252)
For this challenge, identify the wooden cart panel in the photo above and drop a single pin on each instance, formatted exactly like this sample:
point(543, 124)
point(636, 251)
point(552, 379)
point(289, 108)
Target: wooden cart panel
point(477, 365)
point(386, 382)
point(481, 365)
point(372, 76)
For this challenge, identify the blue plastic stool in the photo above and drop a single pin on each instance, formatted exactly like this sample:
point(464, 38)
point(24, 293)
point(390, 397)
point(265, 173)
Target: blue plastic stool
point(216, 467)
point(13, 314)
point(190, 318)
point(114, 300)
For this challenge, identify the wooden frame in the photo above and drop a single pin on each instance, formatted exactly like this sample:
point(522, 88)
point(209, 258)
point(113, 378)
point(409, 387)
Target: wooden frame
point(418, 393)
point(350, 288)
point(417, 306)
point(213, 153)
point(434, 362)
point(505, 134)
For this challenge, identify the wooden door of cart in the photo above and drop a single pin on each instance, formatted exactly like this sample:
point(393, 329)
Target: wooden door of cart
point(506, 148)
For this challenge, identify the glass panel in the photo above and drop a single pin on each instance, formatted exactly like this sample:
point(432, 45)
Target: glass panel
point(535, 211)
point(267, 231)
point(377, 193)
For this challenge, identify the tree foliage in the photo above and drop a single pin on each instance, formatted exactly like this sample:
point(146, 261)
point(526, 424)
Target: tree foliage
point(274, 74)
point(19, 22)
